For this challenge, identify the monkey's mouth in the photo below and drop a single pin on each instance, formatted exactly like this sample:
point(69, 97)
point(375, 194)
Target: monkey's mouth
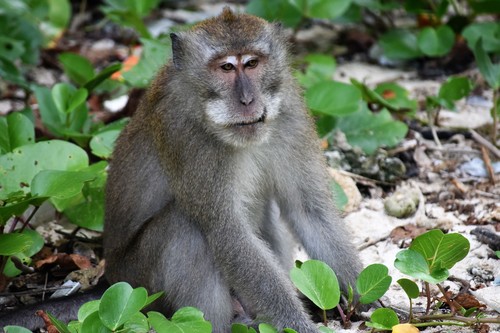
point(261, 119)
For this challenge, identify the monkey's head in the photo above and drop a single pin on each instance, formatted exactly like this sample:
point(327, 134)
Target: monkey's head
point(235, 64)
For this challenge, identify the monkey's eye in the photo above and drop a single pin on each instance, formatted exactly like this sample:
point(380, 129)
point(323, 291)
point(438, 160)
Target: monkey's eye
point(252, 63)
point(227, 66)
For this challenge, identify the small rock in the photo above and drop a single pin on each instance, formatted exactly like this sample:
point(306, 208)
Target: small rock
point(403, 203)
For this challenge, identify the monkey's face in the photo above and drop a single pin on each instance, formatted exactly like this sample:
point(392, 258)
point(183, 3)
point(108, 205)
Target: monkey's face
point(235, 65)
point(238, 108)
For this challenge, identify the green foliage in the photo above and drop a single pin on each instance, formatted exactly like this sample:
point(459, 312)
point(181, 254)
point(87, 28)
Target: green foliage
point(436, 42)
point(280, 10)
point(29, 242)
point(489, 32)
point(333, 98)
point(155, 54)
point(490, 71)
point(16, 329)
point(370, 131)
point(130, 13)
point(15, 130)
point(400, 44)
point(410, 287)
point(452, 90)
point(321, 8)
point(389, 95)
point(372, 283)
point(339, 195)
point(431, 255)
point(318, 282)
point(320, 68)
point(383, 319)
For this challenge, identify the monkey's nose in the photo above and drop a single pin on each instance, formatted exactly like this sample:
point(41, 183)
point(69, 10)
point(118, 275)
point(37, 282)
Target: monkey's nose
point(246, 99)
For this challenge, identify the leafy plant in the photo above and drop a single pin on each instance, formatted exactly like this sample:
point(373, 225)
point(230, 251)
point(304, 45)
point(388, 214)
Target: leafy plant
point(130, 13)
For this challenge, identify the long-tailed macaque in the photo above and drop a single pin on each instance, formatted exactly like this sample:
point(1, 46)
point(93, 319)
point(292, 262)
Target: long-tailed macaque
point(215, 173)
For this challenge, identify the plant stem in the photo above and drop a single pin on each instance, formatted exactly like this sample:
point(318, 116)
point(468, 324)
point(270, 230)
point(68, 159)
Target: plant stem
point(467, 320)
point(325, 321)
point(494, 114)
point(428, 295)
point(448, 300)
point(433, 128)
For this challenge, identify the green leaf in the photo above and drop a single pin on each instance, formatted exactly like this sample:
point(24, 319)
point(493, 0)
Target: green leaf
point(396, 96)
point(59, 13)
point(370, 131)
point(119, 302)
point(441, 250)
point(400, 44)
point(320, 67)
point(10, 48)
point(102, 144)
point(61, 327)
point(154, 297)
point(93, 324)
point(102, 76)
point(489, 32)
point(410, 288)
point(321, 8)
point(16, 329)
point(155, 54)
point(87, 309)
point(17, 205)
point(184, 320)
point(412, 263)
point(339, 195)
point(138, 323)
point(15, 130)
point(325, 329)
point(317, 281)
point(52, 118)
point(436, 42)
point(13, 243)
point(79, 69)
point(59, 184)
point(455, 88)
point(383, 319)
point(278, 10)
point(490, 72)
point(35, 245)
point(18, 168)
point(372, 283)
point(266, 328)
point(333, 98)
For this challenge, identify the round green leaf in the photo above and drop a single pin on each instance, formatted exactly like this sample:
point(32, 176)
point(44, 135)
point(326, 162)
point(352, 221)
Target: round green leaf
point(413, 264)
point(441, 250)
point(15, 130)
point(372, 283)
point(103, 143)
point(410, 287)
point(59, 184)
point(280, 10)
point(138, 323)
point(489, 32)
point(383, 319)
point(77, 98)
point(184, 320)
point(400, 44)
point(119, 302)
point(318, 282)
point(79, 69)
point(455, 88)
point(87, 309)
point(16, 329)
point(370, 131)
point(321, 8)
point(266, 328)
point(14, 242)
point(333, 98)
point(18, 168)
point(436, 42)
point(93, 324)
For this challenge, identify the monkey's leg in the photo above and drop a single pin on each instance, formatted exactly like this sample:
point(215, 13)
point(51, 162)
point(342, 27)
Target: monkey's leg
point(180, 264)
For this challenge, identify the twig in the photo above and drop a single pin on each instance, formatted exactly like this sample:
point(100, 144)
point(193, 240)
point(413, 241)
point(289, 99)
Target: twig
point(487, 163)
point(485, 143)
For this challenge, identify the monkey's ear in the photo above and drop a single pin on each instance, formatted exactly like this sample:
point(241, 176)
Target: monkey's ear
point(176, 49)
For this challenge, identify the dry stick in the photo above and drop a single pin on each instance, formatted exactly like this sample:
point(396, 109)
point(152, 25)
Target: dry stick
point(487, 163)
point(495, 151)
